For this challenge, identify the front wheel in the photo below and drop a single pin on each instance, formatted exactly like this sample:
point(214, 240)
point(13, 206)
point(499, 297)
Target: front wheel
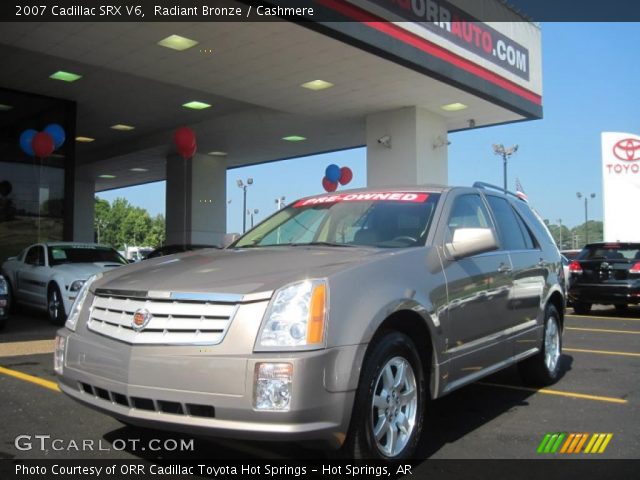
point(55, 306)
point(388, 413)
point(544, 368)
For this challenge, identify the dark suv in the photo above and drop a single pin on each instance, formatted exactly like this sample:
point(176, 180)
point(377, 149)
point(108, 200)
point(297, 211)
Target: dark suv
point(333, 320)
point(605, 273)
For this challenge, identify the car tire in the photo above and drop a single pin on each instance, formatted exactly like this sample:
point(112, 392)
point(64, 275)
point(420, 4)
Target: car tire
point(544, 368)
point(55, 306)
point(391, 399)
point(621, 307)
point(581, 308)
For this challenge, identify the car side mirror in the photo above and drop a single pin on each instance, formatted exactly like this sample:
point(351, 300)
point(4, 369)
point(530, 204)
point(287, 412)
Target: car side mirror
point(471, 241)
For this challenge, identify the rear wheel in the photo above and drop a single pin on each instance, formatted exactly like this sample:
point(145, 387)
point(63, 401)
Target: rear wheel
point(581, 308)
point(544, 367)
point(55, 306)
point(388, 412)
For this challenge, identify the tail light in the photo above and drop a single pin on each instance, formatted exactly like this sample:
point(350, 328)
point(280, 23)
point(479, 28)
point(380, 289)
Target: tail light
point(575, 267)
point(635, 268)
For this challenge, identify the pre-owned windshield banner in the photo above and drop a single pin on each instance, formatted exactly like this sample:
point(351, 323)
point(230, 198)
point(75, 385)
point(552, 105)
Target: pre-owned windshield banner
point(409, 197)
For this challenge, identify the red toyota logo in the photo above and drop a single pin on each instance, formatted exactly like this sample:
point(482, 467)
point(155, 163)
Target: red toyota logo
point(627, 149)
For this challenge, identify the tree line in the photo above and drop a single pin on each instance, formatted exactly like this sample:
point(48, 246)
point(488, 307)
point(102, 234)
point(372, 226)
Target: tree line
point(119, 223)
point(575, 237)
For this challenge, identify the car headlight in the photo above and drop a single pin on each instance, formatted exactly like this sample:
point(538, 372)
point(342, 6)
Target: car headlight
point(74, 315)
point(77, 285)
point(295, 318)
point(4, 290)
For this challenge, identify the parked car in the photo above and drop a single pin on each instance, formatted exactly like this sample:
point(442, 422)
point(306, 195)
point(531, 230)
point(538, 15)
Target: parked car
point(173, 249)
point(605, 273)
point(335, 320)
point(571, 254)
point(4, 301)
point(49, 276)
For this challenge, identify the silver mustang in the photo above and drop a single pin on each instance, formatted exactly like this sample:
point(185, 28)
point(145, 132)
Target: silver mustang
point(49, 276)
point(334, 320)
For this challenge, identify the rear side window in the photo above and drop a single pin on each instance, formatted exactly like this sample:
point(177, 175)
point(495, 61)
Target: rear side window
point(509, 230)
point(532, 219)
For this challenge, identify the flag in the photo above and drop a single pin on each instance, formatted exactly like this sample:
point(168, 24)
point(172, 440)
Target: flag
point(520, 191)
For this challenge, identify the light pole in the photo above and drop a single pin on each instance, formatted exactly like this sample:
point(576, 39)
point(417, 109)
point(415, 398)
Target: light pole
point(505, 153)
point(252, 213)
point(586, 214)
point(244, 187)
point(280, 202)
point(560, 223)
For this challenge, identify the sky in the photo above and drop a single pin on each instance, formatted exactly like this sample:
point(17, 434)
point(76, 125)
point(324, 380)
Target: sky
point(591, 84)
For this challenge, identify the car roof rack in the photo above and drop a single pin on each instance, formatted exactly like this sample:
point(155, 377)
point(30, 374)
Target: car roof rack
point(489, 186)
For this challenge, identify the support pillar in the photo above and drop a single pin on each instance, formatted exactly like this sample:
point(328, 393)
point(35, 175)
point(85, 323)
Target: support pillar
point(407, 146)
point(196, 207)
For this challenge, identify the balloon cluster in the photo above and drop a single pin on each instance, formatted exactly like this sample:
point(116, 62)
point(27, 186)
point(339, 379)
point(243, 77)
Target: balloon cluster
point(334, 175)
point(185, 140)
point(42, 144)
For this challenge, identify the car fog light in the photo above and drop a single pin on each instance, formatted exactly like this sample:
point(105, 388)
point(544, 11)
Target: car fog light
point(272, 387)
point(58, 355)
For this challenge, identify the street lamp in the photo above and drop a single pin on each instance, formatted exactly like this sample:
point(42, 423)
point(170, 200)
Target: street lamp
point(280, 202)
point(244, 187)
point(560, 223)
point(586, 215)
point(505, 153)
point(252, 213)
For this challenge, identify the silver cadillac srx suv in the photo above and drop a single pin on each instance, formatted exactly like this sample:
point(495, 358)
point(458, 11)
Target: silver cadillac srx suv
point(336, 320)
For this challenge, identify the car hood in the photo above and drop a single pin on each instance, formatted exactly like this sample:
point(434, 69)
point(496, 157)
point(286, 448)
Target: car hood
point(237, 271)
point(82, 271)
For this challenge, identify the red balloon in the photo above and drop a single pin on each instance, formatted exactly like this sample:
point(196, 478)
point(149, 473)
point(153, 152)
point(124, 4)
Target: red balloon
point(187, 153)
point(346, 175)
point(184, 138)
point(328, 185)
point(42, 144)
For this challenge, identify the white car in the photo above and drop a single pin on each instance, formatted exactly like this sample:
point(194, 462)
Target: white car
point(48, 276)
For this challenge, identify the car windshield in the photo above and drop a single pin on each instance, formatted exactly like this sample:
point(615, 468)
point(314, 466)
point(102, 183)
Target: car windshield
point(611, 251)
point(60, 254)
point(375, 219)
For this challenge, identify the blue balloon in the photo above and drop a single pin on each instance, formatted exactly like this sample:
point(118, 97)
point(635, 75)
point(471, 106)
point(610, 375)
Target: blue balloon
point(25, 141)
point(332, 173)
point(57, 133)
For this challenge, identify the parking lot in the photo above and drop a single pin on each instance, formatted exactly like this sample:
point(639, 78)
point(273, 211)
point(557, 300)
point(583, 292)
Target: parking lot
point(495, 418)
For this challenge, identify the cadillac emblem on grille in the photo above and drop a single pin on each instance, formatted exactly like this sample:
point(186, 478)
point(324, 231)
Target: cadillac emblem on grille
point(141, 319)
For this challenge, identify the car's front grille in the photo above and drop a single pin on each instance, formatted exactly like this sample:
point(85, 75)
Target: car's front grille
point(149, 404)
point(172, 322)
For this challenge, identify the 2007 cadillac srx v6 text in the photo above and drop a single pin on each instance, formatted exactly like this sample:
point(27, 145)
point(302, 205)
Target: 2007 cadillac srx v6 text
point(336, 320)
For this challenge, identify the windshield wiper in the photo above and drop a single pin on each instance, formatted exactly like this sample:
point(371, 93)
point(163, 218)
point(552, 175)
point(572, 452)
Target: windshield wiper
point(322, 244)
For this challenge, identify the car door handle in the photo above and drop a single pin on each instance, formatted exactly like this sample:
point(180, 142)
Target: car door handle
point(504, 268)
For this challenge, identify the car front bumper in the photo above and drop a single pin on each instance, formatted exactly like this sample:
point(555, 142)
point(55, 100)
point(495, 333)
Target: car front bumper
point(192, 390)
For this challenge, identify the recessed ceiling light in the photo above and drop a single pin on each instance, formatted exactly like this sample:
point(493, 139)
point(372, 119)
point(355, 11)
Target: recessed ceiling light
point(176, 42)
point(453, 107)
point(294, 138)
point(65, 76)
point(108, 177)
point(217, 154)
point(122, 127)
point(4, 108)
point(195, 105)
point(84, 139)
point(139, 169)
point(317, 85)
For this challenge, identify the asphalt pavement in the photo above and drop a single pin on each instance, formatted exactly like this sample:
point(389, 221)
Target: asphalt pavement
point(495, 418)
